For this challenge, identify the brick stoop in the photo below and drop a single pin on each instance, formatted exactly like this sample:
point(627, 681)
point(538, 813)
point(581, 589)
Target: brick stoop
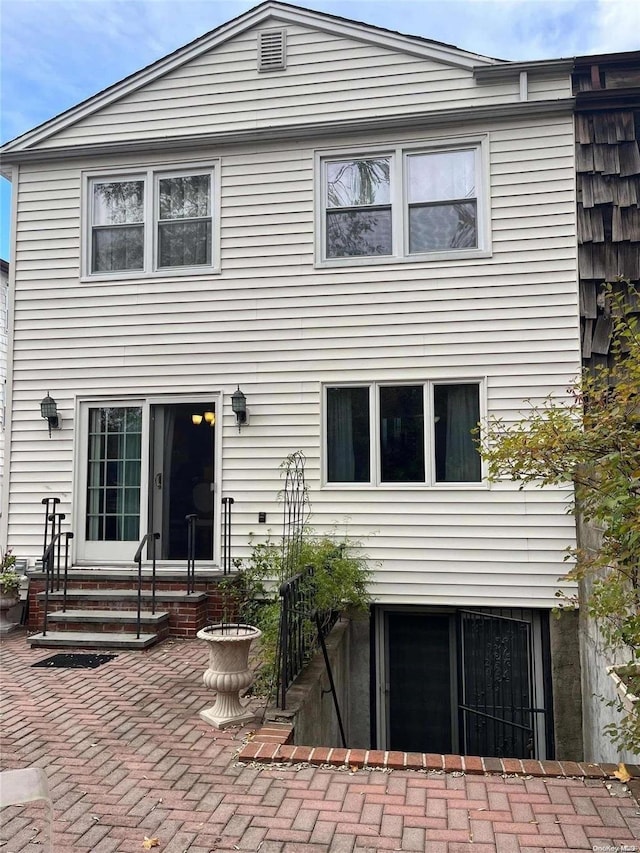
point(272, 744)
point(102, 604)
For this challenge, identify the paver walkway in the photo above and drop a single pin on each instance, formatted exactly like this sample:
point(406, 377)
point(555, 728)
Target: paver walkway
point(128, 757)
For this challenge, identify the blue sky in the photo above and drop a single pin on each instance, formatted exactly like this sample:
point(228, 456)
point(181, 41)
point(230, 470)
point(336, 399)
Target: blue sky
point(55, 53)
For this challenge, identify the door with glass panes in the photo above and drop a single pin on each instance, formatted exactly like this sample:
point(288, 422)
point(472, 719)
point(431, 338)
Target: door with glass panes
point(147, 467)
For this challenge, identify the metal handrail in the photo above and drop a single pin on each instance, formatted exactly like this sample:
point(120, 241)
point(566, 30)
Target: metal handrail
point(48, 512)
point(227, 503)
point(148, 537)
point(191, 552)
point(48, 568)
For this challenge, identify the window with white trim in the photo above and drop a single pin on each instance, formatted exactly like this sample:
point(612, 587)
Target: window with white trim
point(408, 203)
point(404, 433)
point(151, 221)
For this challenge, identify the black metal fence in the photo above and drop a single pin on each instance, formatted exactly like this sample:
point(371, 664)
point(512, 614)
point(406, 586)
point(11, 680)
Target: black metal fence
point(300, 629)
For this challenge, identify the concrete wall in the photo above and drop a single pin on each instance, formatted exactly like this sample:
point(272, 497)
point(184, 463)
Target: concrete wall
point(310, 704)
point(567, 694)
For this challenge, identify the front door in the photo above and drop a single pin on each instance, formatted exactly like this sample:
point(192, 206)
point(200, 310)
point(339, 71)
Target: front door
point(182, 481)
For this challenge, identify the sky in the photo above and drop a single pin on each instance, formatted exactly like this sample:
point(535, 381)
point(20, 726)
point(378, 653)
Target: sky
point(56, 53)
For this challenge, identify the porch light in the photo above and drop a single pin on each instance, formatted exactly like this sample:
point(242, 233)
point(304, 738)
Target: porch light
point(49, 411)
point(239, 406)
point(210, 418)
point(196, 420)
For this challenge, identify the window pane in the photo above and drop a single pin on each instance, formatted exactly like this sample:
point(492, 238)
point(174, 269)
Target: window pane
point(354, 183)
point(443, 227)
point(118, 202)
point(118, 248)
point(112, 482)
point(348, 435)
point(402, 434)
point(184, 244)
point(187, 197)
point(441, 176)
point(457, 413)
point(358, 232)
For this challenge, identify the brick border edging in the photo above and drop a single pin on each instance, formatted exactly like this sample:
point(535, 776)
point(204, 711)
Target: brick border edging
point(271, 744)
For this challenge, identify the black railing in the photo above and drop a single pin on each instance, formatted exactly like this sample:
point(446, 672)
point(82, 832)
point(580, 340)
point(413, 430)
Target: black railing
point(191, 552)
point(51, 560)
point(49, 504)
point(301, 628)
point(151, 538)
point(227, 503)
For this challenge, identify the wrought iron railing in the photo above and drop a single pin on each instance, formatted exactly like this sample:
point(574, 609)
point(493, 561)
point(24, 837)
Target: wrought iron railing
point(50, 504)
point(227, 503)
point(150, 538)
point(300, 629)
point(51, 560)
point(191, 552)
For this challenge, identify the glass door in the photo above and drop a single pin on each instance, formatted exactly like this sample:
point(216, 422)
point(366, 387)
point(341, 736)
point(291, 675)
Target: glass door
point(182, 480)
point(111, 496)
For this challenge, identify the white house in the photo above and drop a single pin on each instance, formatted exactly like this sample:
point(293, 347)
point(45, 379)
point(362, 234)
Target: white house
point(372, 236)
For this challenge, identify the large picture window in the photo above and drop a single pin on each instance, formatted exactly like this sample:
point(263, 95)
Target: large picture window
point(419, 433)
point(408, 203)
point(152, 221)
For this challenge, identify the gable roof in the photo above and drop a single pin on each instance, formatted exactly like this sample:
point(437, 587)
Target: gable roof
point(273, 11)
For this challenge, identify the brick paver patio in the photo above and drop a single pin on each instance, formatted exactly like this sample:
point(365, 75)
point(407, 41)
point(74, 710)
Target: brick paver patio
point(127, 757)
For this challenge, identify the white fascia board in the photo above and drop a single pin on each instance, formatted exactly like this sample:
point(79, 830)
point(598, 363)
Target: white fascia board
point(268, 11)
point(506, 70)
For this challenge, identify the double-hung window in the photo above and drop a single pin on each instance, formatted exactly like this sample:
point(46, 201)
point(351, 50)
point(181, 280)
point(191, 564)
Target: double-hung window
point(420, 433)
point(407, 203)
point(152, 221)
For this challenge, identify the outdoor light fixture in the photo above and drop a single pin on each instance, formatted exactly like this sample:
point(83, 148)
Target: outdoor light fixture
point(239, 406)
point(196, 420)
point(49, 411)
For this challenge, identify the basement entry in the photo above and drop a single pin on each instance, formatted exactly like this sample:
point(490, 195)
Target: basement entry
point(73, 660)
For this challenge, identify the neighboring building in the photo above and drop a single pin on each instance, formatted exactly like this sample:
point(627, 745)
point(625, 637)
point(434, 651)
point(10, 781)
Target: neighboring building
point(4, 313)
point(607, 90)
point(372, 235)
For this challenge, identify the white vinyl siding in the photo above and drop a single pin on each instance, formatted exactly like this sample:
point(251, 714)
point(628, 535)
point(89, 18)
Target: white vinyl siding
point(282, 329)
point(329, 77)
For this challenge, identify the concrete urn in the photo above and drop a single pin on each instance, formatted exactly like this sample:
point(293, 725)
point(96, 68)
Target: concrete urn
point(228, 672)
point(7, 601)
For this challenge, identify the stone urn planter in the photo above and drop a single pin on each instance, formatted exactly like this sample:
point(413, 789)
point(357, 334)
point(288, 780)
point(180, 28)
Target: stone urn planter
point(228, 672)
point(627, 681)
point(8, 599)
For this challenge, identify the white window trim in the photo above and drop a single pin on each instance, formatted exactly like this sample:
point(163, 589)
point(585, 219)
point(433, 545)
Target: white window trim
point(150, 175)
point(375, 481)
point(399, 201)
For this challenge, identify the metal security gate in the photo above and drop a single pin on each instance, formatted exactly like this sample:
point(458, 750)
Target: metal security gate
point(496, 690)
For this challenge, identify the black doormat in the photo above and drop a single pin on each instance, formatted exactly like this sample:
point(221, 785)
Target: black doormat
point(75, 661)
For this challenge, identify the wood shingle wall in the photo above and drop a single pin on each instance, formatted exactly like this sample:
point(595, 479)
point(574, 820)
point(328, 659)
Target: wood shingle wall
point(607, 93)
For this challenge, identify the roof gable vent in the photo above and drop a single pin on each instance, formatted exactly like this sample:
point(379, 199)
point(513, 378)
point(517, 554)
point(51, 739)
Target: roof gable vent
point(272, 50)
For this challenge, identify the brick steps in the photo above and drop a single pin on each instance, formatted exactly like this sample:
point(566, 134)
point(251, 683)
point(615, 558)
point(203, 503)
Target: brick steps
point(106, 602)
point(109, 621)
point(92, 640)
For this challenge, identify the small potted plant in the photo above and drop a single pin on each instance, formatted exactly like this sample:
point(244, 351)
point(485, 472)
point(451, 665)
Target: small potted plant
point(9, 587)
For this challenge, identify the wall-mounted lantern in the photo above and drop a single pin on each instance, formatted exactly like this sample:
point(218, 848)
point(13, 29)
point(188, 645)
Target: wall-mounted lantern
point(49, 411)
point(239, 406)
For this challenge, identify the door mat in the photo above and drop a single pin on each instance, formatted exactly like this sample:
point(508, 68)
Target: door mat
point(75, 661)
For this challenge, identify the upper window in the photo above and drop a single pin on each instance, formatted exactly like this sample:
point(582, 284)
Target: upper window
point(420, 433)
point(406, 204)
point(151, 221)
